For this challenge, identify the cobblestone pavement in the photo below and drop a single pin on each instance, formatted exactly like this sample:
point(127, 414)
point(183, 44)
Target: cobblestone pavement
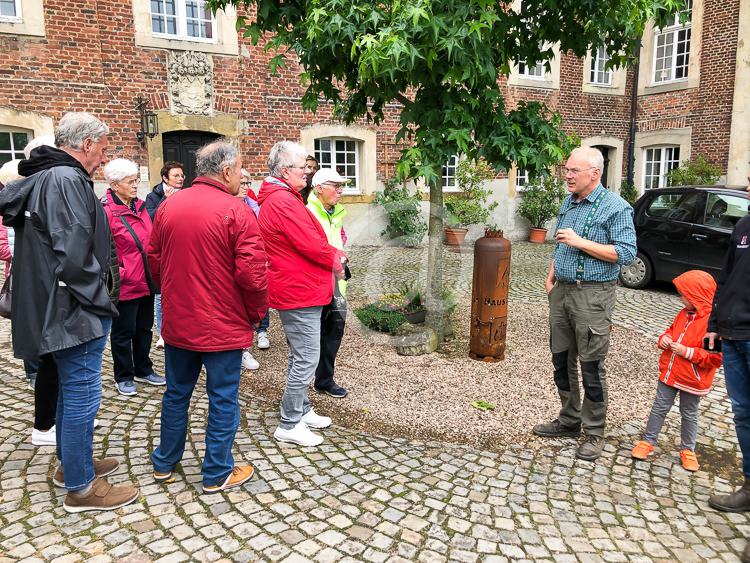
point(363, 497)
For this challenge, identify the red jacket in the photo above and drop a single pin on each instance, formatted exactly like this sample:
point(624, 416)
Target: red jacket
point(208, 256)
point(301, 263)
point(695, 372)
point(132, 272)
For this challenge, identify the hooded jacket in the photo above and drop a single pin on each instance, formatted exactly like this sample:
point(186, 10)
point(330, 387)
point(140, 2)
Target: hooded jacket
point(154, 199)
point(207, 255)
point(333, 225)
point(133, 282)
point(62, 255)
point(301, 262)
point(695, 372)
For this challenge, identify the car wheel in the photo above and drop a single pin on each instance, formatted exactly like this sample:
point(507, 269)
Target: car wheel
point(638, 274)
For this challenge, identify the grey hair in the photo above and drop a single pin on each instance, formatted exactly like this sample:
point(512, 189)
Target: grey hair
point(43, 141)
point(120, 168)
point(283, 155)
point(9, 172)
point(75, 127)
point(211, 159)
point(592, 155)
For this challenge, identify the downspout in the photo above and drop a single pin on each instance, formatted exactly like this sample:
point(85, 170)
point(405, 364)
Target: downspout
point(633, 115)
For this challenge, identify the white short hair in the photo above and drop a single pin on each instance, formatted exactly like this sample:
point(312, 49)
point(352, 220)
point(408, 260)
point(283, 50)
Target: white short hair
point(212, 158)
point(43, 141)
point(75, 127)
point(120, 168)
point(592, 155)
point(283, 155)
point(9, 172)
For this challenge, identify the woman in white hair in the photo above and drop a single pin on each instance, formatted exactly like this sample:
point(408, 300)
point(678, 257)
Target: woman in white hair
point(130, 223)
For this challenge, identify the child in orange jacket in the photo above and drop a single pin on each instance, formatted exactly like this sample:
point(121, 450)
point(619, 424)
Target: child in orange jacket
point(684, 367)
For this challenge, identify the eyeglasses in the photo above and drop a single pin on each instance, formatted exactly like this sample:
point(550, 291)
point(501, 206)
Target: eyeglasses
point(576, 171)
point(244, 184)
point(305, 167)
point(338, 187)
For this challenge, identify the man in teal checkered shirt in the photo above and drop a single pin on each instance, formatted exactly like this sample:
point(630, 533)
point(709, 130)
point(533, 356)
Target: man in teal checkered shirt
point(594, 237)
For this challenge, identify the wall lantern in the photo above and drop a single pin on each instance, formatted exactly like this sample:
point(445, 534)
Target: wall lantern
point(149, 121)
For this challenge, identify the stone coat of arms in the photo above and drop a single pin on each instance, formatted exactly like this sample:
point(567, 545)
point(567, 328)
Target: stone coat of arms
point(190, 82)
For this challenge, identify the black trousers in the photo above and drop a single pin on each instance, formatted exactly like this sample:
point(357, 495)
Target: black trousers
point(332, 322)
point(45, 393)
point(131, 338)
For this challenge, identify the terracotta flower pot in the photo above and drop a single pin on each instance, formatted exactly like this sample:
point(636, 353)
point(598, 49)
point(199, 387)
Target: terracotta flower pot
point(537, 235)
point(455, 236)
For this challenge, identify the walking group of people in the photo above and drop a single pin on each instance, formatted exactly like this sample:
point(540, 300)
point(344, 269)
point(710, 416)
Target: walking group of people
point(594, 236)
point(216, 255)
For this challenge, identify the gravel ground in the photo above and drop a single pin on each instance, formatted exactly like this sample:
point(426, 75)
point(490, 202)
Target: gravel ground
point(429, 397)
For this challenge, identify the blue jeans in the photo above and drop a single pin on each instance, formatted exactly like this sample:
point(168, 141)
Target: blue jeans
point(222, 385)
point(80, 393)
point(157, 311)
point(265, 323)
point(736, 356)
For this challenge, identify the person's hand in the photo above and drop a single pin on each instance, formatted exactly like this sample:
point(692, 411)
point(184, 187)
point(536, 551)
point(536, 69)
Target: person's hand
point(712, 337)
point(569, 237)
point(549, 283)
point(678, 349)
point(168, 190)
point(665, 342)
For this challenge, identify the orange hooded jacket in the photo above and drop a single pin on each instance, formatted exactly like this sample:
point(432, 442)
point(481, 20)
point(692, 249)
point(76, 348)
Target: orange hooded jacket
point(695, 372)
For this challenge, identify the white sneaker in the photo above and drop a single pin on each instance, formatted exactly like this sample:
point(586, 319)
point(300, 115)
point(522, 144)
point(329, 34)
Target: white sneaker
point(96, 422)
point(248, 362)
point(299, 435)
point(263, 342)
point(44, 437)
point(314, 420)
point(160, 343)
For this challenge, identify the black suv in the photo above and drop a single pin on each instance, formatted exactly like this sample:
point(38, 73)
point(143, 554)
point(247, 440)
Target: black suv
point(680, 229)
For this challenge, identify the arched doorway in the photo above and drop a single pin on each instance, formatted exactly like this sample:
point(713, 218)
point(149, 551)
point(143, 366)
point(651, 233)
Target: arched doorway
point(180, 146)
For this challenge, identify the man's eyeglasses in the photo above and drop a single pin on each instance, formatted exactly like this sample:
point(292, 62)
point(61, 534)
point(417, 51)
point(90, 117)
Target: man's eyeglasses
point(305, 167)
point(246, 184)
point(576, 171)
point(338, 187)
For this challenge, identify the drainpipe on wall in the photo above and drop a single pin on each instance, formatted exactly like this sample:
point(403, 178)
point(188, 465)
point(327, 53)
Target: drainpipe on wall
point(633, 115)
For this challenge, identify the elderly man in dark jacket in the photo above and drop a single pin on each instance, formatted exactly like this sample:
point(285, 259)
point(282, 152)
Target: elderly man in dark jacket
point(61, 304)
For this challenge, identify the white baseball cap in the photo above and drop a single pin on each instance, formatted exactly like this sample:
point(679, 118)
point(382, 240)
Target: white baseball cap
point(328, 175)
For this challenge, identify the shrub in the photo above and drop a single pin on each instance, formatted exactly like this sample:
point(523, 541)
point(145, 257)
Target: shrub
point(628, 192)
point(695, 172)
point(377, 318)
point(541, 199)
point(470, 206)
point(405, 221)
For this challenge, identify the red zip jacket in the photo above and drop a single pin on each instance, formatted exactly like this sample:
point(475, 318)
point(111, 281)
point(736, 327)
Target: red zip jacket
point(133, 282)
point(695, 372)
point(301, 263)
point(207, 254)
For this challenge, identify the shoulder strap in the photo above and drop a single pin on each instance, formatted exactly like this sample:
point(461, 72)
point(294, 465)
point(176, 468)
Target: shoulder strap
point(149, 280)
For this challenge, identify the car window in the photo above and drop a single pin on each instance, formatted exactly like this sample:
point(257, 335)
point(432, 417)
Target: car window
point(725, 210)
point(687, 207)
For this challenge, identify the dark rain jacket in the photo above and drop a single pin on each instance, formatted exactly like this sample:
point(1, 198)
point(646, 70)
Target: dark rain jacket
point(154, 199)
point(62, 257)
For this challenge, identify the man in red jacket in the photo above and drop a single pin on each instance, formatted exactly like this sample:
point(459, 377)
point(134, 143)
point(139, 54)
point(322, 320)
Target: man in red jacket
point(300, 263)
point(207, 255)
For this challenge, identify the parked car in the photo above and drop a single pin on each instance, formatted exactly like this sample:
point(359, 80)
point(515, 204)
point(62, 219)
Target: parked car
point(681, 229)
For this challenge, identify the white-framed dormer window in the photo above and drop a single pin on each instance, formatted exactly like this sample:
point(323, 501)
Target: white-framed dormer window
point(182, 19)
point(449, 175)
point(535, 72)
point(343, 156)
point(672, 49)
point(599, 73)
point(12, 143)
point(657, 163)
point(10, 10)
point(522, 178)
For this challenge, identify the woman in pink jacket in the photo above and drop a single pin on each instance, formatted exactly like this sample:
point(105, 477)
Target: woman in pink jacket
point(131, 228)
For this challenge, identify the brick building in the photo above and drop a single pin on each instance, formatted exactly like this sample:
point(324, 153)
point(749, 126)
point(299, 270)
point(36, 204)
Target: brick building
point(201, 80)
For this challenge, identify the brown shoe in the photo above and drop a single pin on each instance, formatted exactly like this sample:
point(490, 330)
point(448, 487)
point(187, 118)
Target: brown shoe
point(239, 475)
point(555, 429)
point(591, 448)
point(102, 468)
point(101, 496)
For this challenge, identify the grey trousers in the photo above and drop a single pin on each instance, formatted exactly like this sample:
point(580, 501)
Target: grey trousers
point(302, 330)
point(665, 396)
point(580, 317)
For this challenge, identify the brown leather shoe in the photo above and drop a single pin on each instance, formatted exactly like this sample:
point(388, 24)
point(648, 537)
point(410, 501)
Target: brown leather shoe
point(239, 475)
point(101, 496)
point(591, 448)
point(738, 501)
point(102, 468)
point(555, 429)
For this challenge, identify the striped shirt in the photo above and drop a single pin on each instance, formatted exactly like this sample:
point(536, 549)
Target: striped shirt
point(613, 224)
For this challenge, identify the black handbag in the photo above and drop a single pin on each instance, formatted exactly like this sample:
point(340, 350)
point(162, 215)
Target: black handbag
point(5, 295)
point(152, 286)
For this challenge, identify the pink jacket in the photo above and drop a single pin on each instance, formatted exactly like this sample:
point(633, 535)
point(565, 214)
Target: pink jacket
point(133, 282)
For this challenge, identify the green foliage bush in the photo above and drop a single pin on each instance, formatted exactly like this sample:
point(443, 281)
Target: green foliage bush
point(628, 192)
point(377, 318)
point(541, 199)
point(470, 206)
point(695, 172)
point(406, 223)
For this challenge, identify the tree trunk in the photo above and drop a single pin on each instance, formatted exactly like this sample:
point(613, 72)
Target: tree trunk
point(434, 302)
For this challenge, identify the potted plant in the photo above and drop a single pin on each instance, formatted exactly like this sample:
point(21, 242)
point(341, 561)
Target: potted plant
point(384, 315)
point(470, 206)
point(540, 202)
point(406, 224)
point(413, 307)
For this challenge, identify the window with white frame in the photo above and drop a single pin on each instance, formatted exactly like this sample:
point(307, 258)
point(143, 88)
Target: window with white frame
point(672, 48)
point(600, 74)
point(12, 144)
point(10, 9)
point(449, 174)
point(657, 163)
point(182, 19)
point(535, 72)
point(522, 178)
point(343, 156)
